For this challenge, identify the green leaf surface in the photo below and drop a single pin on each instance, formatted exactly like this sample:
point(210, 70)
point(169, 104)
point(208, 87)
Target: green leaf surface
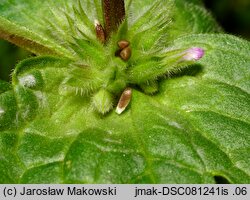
point(195, 128)
point(34, 24)
point(191, 18)
point(48, 27)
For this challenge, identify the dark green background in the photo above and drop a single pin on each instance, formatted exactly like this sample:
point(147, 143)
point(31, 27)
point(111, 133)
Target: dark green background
point(233, 15)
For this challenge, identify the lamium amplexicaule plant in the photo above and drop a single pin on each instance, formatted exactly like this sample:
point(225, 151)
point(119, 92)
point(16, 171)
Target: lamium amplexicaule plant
point(123, 91)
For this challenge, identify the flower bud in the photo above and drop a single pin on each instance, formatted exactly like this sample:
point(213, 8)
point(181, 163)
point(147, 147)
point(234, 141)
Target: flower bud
point(102, 101)
point(193, 54)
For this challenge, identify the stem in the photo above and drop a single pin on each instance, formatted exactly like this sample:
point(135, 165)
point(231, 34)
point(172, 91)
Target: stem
point(114, 14)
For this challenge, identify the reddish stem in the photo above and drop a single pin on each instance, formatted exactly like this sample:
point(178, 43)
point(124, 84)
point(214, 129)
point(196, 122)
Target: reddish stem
point(114, 14)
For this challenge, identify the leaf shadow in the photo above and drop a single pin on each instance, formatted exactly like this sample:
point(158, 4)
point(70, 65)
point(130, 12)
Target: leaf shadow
point(191, 70)
point(221, 180)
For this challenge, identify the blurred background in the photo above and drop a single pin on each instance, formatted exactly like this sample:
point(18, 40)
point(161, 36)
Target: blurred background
point(233, 15)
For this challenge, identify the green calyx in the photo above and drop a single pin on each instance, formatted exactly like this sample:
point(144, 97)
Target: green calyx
point(107, 61)
point(56, 124)
point(112, 50)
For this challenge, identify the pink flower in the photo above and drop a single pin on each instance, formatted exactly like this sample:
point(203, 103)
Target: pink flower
point(193, 54)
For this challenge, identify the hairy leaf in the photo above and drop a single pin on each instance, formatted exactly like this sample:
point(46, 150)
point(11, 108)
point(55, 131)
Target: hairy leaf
point(188, 133)
point(194, 129)
point(47, 27)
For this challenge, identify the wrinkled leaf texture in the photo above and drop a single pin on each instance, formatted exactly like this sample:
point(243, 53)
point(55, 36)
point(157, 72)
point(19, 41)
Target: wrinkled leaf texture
point(196, 128)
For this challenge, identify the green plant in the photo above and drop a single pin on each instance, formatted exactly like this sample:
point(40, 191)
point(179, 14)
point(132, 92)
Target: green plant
point(188, 118)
